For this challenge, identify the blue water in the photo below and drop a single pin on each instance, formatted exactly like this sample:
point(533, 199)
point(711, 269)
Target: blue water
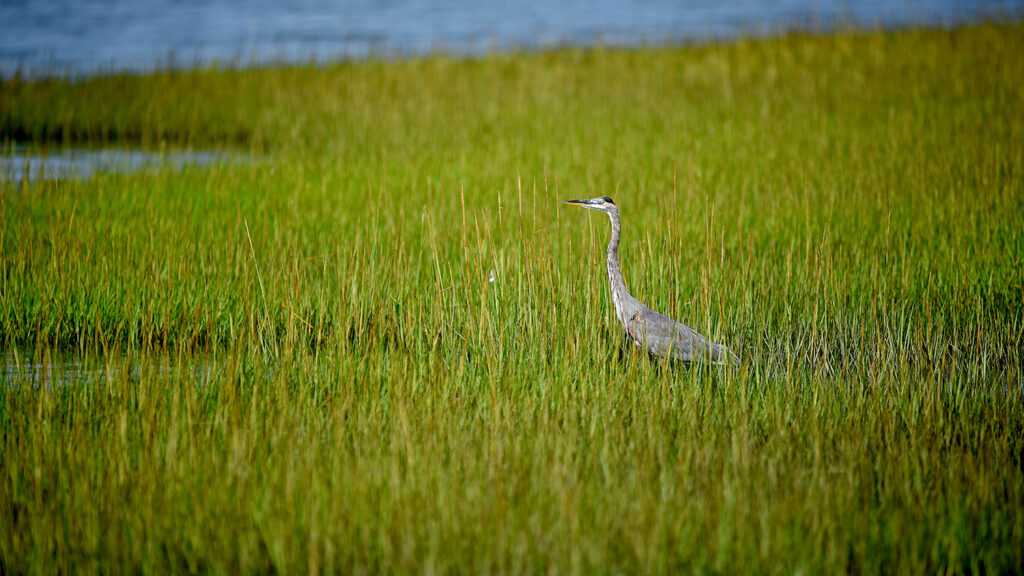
point(44, 37)
point(20, 164)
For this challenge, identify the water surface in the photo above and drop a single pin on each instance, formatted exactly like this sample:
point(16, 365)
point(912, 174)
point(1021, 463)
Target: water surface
point(53, 370)
point(21, 163)
point(86, 36)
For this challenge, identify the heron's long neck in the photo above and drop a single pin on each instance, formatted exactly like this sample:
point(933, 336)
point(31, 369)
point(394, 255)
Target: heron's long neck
point(620, 295)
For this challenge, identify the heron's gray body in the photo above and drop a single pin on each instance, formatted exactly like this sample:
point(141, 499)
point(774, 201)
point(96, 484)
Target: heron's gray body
point(656, 333)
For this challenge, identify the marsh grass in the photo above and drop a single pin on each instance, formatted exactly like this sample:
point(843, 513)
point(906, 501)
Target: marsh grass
point(844, 211)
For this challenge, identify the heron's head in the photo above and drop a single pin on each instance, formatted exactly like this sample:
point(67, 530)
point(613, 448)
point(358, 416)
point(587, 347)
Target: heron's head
point(602, 203)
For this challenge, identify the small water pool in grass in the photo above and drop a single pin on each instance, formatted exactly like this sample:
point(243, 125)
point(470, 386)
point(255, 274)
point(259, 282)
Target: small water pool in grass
point(53, 370)
point(22, 163)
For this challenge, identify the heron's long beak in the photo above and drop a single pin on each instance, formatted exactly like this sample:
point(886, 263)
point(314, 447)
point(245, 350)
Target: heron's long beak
point(582, 203)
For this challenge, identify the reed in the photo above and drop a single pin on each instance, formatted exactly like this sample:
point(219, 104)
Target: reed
point(298, 362)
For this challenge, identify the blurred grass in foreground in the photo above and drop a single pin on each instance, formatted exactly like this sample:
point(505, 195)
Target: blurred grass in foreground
point(299, 362)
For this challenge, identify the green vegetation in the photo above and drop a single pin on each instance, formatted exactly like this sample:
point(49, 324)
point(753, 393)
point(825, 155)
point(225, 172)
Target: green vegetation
point(299, 363)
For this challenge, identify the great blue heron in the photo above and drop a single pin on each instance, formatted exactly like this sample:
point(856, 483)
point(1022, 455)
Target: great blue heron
point(660, 335)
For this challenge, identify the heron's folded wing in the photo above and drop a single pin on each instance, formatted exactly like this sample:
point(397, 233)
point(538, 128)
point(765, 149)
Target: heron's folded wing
point(662, 336)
